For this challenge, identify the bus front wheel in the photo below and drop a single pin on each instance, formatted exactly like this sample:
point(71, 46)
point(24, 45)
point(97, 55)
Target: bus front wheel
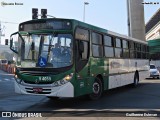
point(96, 89)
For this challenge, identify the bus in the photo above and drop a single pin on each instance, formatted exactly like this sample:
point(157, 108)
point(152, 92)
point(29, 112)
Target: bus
point(59, 57)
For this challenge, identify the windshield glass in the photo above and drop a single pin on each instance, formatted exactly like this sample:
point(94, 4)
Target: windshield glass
point(152, 67)
point(48, 50)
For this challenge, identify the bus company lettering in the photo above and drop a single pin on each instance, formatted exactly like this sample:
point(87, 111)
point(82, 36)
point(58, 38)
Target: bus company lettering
point(46, 78)
point(115, 64)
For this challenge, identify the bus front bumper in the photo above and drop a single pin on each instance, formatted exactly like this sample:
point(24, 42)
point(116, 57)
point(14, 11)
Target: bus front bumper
point(66, 90)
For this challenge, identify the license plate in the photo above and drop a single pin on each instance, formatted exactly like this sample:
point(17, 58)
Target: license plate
point(37, 90)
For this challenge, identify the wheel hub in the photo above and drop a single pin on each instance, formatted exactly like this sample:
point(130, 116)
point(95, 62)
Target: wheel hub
point(96, 88)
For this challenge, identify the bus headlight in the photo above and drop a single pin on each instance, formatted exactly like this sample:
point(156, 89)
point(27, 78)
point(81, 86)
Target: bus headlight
point(19, 81)
point(63, 82)
point(66, 79)
point(55, 84)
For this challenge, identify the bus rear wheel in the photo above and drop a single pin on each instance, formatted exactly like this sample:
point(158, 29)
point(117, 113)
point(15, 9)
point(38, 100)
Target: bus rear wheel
point(96, 90)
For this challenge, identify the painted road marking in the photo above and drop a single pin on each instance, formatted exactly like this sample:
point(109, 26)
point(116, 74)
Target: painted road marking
point(6, 79)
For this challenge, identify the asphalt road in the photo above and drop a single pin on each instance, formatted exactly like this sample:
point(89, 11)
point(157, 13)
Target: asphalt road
point(118, 102)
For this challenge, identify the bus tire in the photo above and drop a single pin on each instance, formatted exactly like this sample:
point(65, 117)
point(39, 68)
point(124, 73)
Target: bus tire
point(97, 89)
point(136, 80)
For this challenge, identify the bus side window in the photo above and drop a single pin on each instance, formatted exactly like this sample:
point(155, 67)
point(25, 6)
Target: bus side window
point(125, 44)
point(108, 46)
point(97, 48)
point(82, 48)
point(118, 48)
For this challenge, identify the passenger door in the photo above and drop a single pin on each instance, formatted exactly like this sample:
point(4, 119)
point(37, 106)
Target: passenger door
point(82, 57)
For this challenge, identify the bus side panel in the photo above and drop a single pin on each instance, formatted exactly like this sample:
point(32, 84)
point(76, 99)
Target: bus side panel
point(83, 82)
point(99, 67)
point(122, 71)
point(143, 68)
point(106, 73)
point(119, 73)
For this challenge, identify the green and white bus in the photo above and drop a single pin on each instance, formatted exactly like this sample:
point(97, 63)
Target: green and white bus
point(68, 58)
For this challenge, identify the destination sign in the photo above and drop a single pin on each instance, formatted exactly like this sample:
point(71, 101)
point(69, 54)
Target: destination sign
point(47, 25)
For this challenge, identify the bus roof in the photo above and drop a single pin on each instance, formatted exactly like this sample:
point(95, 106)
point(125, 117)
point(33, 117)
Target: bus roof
point(86, 25)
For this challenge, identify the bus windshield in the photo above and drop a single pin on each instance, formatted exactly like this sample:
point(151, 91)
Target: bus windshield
point(46, 50)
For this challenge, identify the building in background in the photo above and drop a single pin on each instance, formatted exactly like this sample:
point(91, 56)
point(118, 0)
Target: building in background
point(6, 53)
point(153, 27)
point(153, 38)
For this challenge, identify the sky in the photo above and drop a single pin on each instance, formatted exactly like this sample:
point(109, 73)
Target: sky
point(107, 14)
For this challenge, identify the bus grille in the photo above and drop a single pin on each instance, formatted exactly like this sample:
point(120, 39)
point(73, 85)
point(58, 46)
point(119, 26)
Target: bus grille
point(35, 73)
point(33, 82)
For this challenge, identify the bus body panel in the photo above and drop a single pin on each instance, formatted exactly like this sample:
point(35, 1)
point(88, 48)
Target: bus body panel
point(66, 90)
point(99, 66)
point(122, 71)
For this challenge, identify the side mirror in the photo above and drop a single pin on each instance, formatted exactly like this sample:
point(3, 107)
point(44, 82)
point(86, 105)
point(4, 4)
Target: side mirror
point(14, 42)
point(13, 48)
point(81, 47)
